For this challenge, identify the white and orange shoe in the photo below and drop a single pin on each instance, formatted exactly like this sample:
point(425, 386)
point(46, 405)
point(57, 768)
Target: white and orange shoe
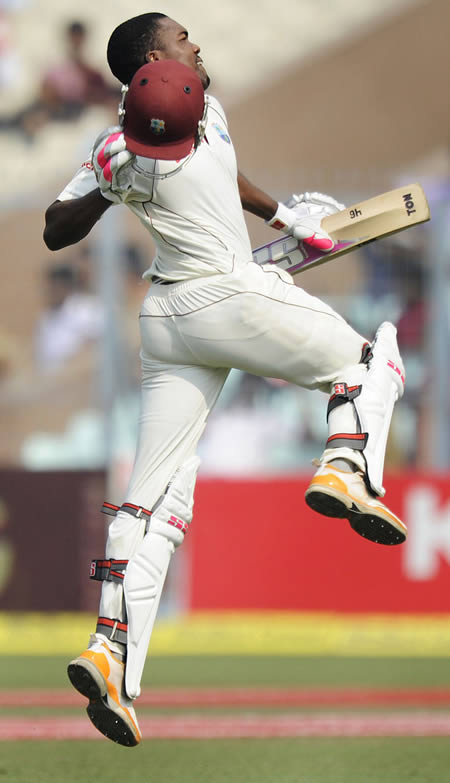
point(99, 675)
point(335, 493)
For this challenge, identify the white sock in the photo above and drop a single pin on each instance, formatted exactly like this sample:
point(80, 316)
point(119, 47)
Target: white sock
point(116, 647)
point(344, 464)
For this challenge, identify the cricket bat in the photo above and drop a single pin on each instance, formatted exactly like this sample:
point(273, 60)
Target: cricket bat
point(351, 228)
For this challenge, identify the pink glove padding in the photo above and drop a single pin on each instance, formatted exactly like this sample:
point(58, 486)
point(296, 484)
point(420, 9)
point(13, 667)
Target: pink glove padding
point(109, 159)
point(303, 222)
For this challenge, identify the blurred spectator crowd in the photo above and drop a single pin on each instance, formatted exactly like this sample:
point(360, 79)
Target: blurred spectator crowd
point(260, 426)
point(55, 411)
point(65, 89)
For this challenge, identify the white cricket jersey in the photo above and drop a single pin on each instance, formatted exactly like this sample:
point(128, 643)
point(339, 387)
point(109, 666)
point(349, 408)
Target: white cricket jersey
point(194, 216)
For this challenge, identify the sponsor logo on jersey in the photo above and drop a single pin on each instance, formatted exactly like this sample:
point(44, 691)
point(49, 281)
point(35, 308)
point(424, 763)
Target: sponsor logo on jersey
point(157, 126)
point(87, 165)
point(222, 133)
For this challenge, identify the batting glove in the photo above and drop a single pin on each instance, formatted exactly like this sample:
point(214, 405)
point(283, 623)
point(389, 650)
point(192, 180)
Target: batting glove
point(110, 159)
point(329, 204)
point(301, 215)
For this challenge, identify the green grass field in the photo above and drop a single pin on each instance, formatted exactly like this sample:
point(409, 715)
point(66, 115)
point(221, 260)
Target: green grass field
point(228, 671)
point(274, 760)
point(362, 760)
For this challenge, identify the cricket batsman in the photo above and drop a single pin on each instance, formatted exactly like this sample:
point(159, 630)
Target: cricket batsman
point(209, 308)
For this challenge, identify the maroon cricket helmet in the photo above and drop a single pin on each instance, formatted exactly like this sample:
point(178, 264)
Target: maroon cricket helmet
point(163, 106)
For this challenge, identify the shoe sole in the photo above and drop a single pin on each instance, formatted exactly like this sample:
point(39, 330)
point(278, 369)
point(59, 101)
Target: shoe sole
point(86, 679)
point(364, 521)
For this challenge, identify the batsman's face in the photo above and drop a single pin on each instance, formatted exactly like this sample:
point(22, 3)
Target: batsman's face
point(174, 44)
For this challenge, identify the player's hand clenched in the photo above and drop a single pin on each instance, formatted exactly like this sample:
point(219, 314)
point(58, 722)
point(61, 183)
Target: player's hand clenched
point(110, 159)
point(301, 217)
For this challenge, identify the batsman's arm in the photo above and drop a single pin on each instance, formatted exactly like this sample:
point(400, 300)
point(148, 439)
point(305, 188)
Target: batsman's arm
point(302, 221)
point(255, 200)
point(66, 222)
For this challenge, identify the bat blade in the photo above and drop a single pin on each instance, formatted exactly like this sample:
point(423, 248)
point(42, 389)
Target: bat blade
point(351, 228)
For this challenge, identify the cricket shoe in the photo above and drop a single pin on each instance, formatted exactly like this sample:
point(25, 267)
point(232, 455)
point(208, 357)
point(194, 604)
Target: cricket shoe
point(99, 675)
point(336, 493)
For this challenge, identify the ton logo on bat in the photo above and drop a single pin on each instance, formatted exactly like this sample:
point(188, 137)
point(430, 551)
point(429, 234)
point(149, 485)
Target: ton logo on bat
point(409, 203)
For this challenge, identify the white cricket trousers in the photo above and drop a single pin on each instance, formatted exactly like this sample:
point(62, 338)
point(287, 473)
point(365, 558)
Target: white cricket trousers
point(193, 333)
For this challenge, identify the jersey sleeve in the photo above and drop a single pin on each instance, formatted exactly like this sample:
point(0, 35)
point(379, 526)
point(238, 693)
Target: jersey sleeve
point(83, 182)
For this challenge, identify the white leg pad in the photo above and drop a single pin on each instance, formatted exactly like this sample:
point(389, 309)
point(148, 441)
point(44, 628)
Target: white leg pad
point(125, 535)
point(143, 584)
point(146, 570)
point(382, 384)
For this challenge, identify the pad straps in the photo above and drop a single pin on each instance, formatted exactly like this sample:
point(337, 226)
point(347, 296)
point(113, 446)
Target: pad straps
point(108, 570)
point(144, 513)
point(113, 629)
point(342, 394)
point(130, 508)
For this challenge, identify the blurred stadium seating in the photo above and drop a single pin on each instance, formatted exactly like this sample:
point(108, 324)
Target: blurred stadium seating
point(269, 44)
point(348, 36)
point(266, 598)
point(342, 97)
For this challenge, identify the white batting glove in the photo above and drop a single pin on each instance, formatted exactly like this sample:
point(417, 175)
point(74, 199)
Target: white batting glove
point(303, 222)
point(327, 202)
point(110, 159)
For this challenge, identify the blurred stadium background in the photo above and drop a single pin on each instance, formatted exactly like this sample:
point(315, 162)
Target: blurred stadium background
point(338, 96)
